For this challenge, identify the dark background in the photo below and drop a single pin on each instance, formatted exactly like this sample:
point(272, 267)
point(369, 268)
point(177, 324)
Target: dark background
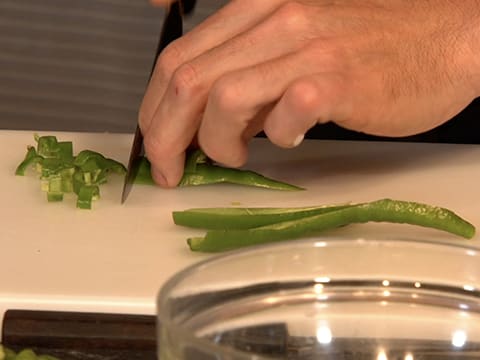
point(463, 129)
point(82, 65)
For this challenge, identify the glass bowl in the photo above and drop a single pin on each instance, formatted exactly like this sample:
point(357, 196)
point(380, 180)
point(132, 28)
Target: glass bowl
point(326, 299)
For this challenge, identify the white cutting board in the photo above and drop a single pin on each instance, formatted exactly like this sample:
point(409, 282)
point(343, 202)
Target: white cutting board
point(116, 257)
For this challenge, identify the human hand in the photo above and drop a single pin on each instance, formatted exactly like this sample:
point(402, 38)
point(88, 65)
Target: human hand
point(160, 2)
point(391, 68)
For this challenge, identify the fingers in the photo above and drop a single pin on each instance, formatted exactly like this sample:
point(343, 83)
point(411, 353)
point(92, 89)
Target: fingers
point(160, 2)
point(178, 115)
point(231, 20)
point(238, 101)
point(307, 101)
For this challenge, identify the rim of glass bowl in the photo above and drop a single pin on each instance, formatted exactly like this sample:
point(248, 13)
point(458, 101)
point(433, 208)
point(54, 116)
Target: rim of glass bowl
point(312, 242)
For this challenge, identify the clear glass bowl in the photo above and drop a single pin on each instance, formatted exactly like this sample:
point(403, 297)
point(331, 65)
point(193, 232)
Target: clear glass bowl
point(326, 299)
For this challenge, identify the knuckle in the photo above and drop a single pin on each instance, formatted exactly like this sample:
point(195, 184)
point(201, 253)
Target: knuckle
point(293, 16)
point(303, 97)
point(169, 60)
point(185, 80)
point(144, 118)
point(226, 95)
point(155, 149)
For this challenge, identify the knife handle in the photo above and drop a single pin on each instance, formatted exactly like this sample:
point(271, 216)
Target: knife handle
point(78, 331)
point(188, 6)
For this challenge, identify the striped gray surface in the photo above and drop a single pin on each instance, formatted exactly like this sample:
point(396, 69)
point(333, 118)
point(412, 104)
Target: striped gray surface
point(78, 65)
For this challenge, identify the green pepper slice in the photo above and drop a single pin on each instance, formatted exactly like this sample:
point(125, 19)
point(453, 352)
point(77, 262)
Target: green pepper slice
point(199, 170)
point(385, 210)
point(245, 218)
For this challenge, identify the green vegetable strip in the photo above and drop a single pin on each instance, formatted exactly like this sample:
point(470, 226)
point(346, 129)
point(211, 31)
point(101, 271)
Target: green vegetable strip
point(200, 171)
point(144, 175)
point(245, 218)
point(193, 159)
point(385, 210)
point(212, 174)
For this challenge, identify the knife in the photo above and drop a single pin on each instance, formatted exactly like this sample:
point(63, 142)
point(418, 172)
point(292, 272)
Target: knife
point(172, 29)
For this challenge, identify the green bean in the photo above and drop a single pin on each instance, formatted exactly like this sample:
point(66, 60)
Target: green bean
point(385, 210)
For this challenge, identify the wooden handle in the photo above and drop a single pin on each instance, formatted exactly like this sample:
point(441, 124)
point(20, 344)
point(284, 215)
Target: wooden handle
point(88, 333)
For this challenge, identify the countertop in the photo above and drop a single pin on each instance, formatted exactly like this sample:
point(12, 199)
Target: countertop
point(116, 257)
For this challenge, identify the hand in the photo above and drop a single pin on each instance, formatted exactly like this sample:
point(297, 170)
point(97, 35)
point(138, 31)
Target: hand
point(391, 68)
point(160, 2)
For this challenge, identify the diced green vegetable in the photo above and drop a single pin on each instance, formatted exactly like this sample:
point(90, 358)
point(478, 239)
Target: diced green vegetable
point(26, 354)
point(61, 172)
point(31, 158)
point(236, 233)
point(86, 195)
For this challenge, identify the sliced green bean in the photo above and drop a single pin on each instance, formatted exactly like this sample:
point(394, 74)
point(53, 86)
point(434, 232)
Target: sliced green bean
point(385, 210)
point(245, 218)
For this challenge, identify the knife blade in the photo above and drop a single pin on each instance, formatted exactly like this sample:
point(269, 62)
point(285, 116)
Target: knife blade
point(172, 29)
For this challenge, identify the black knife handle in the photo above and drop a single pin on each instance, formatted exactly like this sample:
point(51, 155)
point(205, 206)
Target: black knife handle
point(188, 6)
point(78, 331)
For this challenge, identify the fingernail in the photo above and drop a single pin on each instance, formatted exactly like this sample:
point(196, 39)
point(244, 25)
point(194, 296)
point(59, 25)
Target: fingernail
point(159, 178)
point(298, 140)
